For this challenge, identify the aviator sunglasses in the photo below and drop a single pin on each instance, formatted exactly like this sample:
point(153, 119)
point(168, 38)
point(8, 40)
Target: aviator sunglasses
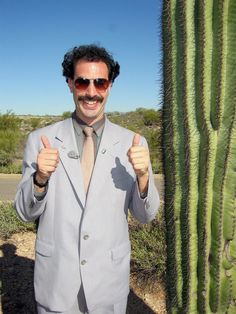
point(100, 84)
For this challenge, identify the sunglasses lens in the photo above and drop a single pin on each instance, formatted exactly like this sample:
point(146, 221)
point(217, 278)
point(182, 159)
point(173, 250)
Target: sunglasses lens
point(81, 83)
point(101, 84)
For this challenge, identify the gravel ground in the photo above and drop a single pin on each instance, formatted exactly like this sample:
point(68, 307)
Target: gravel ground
point(17, 296)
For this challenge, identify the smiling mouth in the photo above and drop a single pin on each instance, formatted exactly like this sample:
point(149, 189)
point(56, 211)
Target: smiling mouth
point(90, 105)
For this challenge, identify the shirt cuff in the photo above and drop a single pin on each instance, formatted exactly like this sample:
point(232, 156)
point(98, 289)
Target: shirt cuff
point(40, 195)
point(143, 195)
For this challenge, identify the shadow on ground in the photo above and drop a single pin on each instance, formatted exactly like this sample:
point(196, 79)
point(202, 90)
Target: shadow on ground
point(17, 294)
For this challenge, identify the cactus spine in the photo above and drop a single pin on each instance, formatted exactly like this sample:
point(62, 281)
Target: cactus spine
point(199, 139)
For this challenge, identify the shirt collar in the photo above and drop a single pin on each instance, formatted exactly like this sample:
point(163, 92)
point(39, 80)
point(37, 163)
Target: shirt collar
point(98, 126)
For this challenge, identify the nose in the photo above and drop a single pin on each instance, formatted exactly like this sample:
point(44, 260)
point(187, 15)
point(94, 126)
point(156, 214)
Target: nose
point(91, 90)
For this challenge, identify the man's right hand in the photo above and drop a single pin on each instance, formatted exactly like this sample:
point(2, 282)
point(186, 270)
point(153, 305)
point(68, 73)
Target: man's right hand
point(47, 161)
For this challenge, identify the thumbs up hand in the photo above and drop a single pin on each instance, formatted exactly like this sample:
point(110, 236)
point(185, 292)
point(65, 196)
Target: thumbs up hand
point(47, 161)
point(139, 158)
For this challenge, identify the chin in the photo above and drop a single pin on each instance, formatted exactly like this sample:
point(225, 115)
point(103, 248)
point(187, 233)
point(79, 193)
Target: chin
point(91, 114)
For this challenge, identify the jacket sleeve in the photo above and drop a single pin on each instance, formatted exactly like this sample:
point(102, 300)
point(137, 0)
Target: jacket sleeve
point(145, 209)
point(26, 204)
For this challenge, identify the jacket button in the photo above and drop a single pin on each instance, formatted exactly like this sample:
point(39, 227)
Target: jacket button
point(83, 262)
point(86, 237)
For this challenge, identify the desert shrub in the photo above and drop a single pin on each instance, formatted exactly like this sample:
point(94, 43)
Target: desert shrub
point(153, 137)
point(34, 122)
point(9, 140)
point(13, 167)
point(10, 137)
point(148, 258)
point(8, 121)
point(10, 222)
point(151, 117)
point(66, 114)
point(5, 158)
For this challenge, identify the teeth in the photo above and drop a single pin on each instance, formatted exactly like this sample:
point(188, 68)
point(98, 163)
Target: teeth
point(91, 102)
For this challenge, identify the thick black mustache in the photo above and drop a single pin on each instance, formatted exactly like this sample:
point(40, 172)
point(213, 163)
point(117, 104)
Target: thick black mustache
point(89, 98)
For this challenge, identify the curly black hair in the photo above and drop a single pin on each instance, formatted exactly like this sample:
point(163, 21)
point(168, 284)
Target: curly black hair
point(89, 53)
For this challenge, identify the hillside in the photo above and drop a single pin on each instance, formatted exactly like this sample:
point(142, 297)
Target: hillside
point(14, 130)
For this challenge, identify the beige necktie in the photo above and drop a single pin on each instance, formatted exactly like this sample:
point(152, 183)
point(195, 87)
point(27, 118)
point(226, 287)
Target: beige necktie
point(87, 160)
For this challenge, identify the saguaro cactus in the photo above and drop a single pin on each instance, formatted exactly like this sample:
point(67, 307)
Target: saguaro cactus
point(199, 139)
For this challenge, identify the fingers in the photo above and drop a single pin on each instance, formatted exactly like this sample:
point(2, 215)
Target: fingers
point(138, 156)
point(136, 139)
point(45, 141)
point(47, 160)
point(47, 148)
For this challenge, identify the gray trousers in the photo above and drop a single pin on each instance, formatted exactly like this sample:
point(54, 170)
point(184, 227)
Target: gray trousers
point(119, 308)
point(80, 307)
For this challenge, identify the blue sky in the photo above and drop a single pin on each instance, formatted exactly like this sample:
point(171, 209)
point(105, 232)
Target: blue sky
point(35, 35)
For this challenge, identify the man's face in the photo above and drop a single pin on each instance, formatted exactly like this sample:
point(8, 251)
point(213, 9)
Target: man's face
point(89, 100)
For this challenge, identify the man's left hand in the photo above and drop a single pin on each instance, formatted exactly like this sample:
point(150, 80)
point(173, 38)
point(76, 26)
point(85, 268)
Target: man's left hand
point(140, 159)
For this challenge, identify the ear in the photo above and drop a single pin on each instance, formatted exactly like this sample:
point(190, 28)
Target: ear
point(71, 85)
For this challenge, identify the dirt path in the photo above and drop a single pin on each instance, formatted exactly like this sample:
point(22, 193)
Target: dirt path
point(8, 185)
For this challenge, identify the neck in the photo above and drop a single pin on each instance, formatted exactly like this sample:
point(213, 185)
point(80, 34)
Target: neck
point(89, 121)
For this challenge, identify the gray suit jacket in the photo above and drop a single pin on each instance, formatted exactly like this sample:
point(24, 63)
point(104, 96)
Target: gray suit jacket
point(81, 240)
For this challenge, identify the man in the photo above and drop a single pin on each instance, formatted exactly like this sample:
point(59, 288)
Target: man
point(82, 246)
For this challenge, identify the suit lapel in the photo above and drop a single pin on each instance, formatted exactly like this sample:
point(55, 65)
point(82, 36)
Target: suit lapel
point(70, 158)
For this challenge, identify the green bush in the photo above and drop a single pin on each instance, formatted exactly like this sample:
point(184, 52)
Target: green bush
point(34, 122)
point(10, 222)
point(9, 121)
point(14, 167)
point(5, 158)
point(9, 141)
point(151, 117)
point(153, 137)
point(66, 114)
point(148, 258)
point(9, 137)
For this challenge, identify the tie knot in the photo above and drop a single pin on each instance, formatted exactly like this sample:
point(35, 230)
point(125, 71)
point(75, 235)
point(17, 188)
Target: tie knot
point(88, 131)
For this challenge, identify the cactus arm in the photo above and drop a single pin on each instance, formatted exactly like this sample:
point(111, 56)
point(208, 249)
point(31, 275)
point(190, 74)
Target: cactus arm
point(208, 140)
point(191, 162)
point(181, 197)
point(220, 14)
point(172, 189)
point(224, 182)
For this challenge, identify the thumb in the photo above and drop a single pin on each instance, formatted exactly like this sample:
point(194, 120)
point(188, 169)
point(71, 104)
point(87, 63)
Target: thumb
point(45, 141)
point(136, 139)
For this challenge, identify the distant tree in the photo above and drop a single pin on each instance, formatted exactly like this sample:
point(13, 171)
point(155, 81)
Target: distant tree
point(66, 114)
point(9, 137)
point(151, 117)
point(9, 121)
point(153, 137)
